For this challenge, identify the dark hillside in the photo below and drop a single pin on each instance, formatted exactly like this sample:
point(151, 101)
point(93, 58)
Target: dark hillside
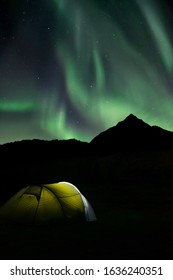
point(132, 134)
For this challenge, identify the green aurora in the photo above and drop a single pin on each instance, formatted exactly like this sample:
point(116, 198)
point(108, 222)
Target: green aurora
point(71, 69)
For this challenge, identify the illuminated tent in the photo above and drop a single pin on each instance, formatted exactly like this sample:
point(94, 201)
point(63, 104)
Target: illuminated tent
point(47, 204)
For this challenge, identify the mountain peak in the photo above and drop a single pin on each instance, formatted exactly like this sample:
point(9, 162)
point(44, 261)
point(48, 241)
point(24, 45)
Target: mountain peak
point(131, 117)
point(132, 122)
point(129, 134)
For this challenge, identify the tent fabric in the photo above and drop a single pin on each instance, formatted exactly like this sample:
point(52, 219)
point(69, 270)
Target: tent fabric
point(47, 204)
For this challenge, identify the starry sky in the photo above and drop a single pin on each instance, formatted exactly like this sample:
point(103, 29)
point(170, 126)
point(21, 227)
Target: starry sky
point(73, 68)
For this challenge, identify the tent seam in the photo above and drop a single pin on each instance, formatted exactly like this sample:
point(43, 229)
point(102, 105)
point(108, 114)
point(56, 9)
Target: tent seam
point(57, 199)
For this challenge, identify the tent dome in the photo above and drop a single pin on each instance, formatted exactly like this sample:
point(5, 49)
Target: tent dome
point(47, 204)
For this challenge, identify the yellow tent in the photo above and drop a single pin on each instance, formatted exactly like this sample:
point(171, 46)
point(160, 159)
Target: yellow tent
point(47, 204)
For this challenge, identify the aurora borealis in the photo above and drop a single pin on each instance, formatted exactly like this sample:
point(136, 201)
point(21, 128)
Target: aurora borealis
point(73, 68)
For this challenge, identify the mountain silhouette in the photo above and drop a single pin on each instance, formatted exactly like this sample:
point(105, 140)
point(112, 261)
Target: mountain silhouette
point(128, 135)
point(39, 151)
point(132, 134)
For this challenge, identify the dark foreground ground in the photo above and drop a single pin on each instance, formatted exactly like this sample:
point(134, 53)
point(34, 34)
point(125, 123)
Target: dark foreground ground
point(132, 196)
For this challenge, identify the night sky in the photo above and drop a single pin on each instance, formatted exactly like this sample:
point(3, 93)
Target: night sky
point(73, 68)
